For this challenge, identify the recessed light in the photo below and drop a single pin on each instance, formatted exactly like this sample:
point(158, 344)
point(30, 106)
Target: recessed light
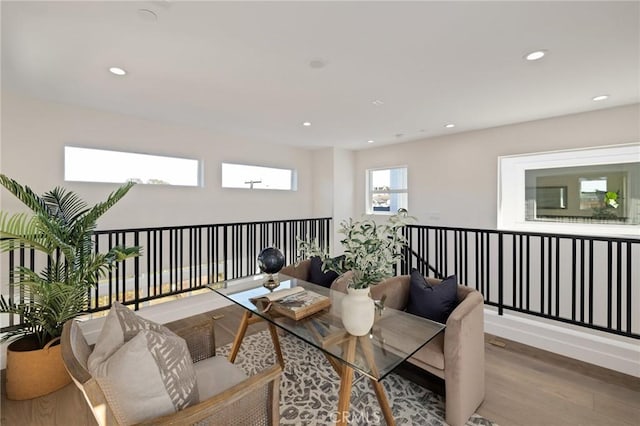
point(449, 125)
point(534, 56)
point(117, 71)
point(370, 141)
point(306, 124)
point(600, 98)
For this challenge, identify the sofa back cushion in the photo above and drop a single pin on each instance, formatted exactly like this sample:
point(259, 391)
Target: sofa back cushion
point(432, 301)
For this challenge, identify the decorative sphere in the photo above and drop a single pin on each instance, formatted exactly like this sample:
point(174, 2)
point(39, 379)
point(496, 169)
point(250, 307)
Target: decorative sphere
point(270, 260)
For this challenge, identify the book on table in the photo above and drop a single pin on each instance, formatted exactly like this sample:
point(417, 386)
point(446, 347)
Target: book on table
point(295, 303)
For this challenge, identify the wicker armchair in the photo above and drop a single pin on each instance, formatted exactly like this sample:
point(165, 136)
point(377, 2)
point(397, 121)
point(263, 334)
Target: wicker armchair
point(253, 400)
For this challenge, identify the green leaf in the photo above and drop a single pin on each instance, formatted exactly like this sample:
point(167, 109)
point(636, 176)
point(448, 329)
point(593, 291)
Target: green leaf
point(61, 227)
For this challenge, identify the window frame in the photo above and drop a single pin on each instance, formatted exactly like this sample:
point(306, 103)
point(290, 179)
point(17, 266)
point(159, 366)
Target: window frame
point(511, 188)
point(198, 171)
point(293, 182)
point(370, 192)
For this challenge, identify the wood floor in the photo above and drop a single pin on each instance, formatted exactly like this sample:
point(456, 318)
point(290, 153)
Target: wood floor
point(525, 387)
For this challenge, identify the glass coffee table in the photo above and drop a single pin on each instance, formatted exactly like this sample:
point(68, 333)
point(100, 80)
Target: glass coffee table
point(394, 337)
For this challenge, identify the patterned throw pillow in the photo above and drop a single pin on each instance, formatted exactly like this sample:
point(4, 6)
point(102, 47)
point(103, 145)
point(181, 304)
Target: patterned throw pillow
point(149, 376)
point(120, 326)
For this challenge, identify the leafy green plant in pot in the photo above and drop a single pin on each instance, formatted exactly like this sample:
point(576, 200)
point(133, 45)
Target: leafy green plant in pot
point(61, 227)
point(371, 252)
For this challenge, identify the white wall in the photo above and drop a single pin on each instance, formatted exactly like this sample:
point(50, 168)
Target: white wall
point(34, 133)
point(453, 182)
point(453, 179)
point(322, 167)
point(343, 194)
point(333, 188)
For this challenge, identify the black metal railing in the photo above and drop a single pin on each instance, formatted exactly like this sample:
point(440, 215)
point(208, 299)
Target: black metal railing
point(178, 259)
point(589, 281)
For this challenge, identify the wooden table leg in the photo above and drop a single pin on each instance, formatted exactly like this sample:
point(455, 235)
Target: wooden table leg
point(237, 341)
point(346, 383)
point(365, 343)
point(276, 344)
point(384, 403)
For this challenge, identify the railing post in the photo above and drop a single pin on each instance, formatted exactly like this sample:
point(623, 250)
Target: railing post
point(500, 274)
point(12, 281)
point(404, 260)
point(136, 272)
point(224, 252)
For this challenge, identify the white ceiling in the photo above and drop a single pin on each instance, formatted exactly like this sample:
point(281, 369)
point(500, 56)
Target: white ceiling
point(244, 69)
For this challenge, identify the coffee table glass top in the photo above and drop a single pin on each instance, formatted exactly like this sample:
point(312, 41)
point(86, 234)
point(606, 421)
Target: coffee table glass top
point(394, 337)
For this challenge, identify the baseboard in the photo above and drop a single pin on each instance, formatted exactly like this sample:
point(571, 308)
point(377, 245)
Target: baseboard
point(618, 354)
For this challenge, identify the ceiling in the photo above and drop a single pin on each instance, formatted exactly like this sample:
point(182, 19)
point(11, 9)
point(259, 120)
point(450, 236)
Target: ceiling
point(245, 68)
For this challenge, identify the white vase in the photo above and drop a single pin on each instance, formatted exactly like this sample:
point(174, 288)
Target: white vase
point(357, 311)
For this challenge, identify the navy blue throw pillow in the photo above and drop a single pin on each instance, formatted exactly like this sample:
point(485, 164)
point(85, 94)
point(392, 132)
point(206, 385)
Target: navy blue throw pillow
point(434, 302)
point(317, 276)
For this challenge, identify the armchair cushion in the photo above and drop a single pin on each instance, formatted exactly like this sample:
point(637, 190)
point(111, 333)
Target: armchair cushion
point(150, 375)
point(120, 326)
point(215, 375)
point(434, 302)
point(318, 276)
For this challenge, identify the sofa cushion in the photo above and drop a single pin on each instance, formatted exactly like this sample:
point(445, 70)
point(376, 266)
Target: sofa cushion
point(215, 375)
point(434, 302)
point(149, 376)
point(318, 276)
point(432, 353)
point(120, 326)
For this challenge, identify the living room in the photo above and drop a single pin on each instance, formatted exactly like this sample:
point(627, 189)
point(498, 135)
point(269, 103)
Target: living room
point(453, 172)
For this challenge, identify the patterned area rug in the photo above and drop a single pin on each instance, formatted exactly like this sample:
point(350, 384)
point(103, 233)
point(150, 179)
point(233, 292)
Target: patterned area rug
point(309, 388)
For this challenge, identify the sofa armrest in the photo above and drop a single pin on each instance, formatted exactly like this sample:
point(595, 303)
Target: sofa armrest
point(342, 282)
point(396, 289)
point(299, 271)
point(464, 357)
point(252, 401)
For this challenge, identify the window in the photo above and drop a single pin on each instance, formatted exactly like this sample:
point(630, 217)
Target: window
point(99, 165)
point(387, 190)
point(587, 191)
point(590, 190)
point(257, 177)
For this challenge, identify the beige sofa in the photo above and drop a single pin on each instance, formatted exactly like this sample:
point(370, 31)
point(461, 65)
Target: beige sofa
point(457, 355)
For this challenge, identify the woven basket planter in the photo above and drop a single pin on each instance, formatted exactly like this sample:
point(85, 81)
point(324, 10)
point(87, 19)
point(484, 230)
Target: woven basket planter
point(33, 372)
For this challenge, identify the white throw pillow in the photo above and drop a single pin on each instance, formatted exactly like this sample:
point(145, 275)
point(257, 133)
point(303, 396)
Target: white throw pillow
point(149, 376)
point(120, 326)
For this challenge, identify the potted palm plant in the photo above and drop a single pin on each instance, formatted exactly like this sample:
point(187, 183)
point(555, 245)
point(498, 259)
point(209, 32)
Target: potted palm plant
point(371, 252)
point(61, 228)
